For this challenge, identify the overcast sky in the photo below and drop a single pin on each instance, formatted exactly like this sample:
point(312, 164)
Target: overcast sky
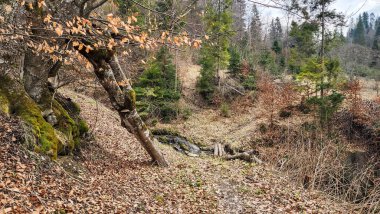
point(347, 7)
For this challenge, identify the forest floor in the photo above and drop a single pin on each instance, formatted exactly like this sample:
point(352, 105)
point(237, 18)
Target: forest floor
point(112, 173)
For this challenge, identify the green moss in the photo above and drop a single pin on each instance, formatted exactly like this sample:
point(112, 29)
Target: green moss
point(132, 96)
point(63, 138)
point(131, 102)
point(71, 125)
point(83, 127)
point(76, 108)
point(68, 127)
point(4, 104)
point(24, 107)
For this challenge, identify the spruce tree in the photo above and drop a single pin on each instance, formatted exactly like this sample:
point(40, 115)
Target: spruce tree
point(303, 44)
point(366, 21)
point(163, 6)
point(255, 29)
point(359, 34)
point(376, 41)
point(156, 94)
point(234, 67)
point(275, 33)
point(157, 88)
point(214, 54)
point(278, 28)
point(272, 31)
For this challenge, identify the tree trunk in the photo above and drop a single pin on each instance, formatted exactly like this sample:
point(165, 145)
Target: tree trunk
point(35, 74)
point(123, 99)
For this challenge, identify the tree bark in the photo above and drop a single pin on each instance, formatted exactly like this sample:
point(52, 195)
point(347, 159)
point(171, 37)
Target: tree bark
point(123, 99)
point(35, 74)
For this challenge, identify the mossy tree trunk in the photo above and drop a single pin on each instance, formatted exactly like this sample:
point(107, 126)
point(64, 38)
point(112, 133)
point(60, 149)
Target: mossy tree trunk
point(35, 74)
point(61, 138)
point(123, 98)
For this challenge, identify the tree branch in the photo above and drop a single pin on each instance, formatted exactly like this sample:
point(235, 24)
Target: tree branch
point(93, 7)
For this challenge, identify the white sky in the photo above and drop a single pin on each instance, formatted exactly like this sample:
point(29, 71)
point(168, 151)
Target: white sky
point(347, 7)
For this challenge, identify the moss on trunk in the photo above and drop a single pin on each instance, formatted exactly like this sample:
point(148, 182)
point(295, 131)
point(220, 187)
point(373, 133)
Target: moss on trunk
point(61, 139)
point(23, 106)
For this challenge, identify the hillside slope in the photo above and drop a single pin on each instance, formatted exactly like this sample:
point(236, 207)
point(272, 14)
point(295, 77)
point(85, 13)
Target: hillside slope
point(113, 175)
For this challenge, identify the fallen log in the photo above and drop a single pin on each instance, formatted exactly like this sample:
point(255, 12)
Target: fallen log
point(248, 156)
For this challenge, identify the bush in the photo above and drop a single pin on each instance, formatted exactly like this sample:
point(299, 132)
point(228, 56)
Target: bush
point(249, 82)
point(327, 106)
point(268, 62)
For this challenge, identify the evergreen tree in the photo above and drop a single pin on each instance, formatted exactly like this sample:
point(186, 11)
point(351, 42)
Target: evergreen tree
point(278, 28)
point(359, 34)
point(163, 6)
point(303, 44)
point(276, 47)
point(214, 51)
point(272, 31)
point(366, 21)
point(327, 70)
point(275, 33)
point(255, 31)
point(156, 88)
point(234, 67)
point(376, 45)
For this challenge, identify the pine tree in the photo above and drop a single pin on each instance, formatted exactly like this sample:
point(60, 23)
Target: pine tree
point(359, 34)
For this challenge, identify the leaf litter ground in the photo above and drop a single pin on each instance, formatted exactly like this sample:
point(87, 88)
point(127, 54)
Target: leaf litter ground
point(112, 174)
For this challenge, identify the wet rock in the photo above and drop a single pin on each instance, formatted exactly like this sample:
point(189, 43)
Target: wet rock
point(180, 144)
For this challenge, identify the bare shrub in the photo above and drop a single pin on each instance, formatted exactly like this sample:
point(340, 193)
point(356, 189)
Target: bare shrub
point(268, 95)
point(352, 92)
point(326, 163)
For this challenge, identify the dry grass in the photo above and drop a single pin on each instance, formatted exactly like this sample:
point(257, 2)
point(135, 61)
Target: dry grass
point(332, 165)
